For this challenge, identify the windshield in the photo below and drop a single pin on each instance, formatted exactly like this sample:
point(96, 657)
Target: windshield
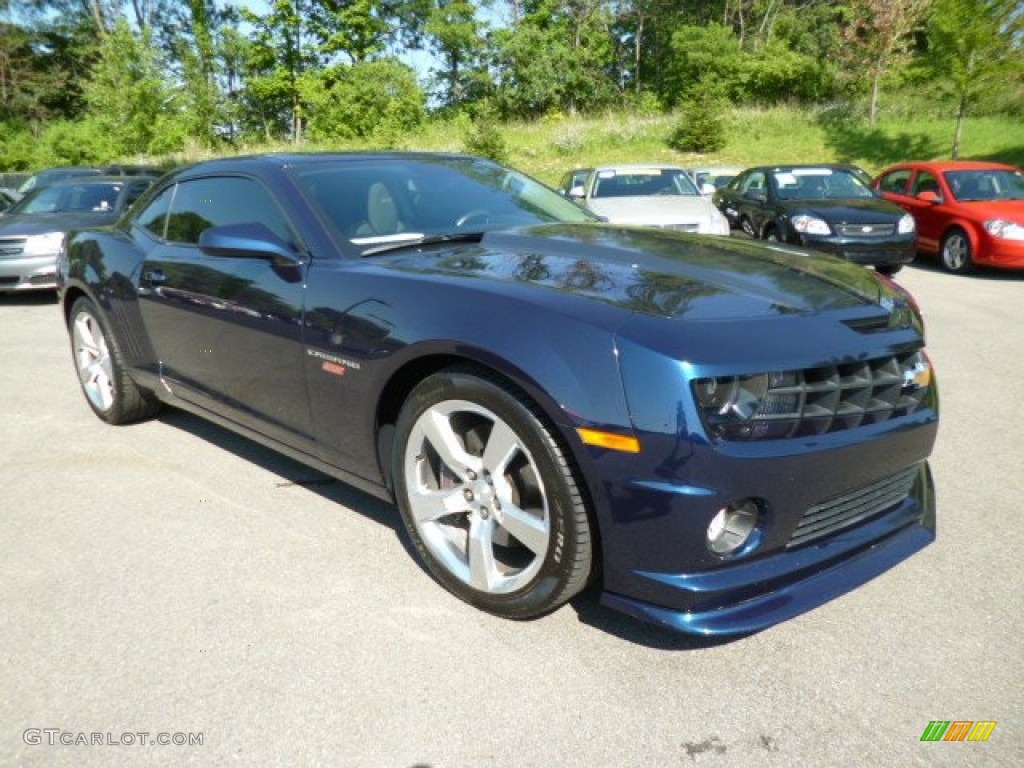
point(975, 185)
point(643, 182)
point(70, 198)
point(386, 200)
point(820, 184)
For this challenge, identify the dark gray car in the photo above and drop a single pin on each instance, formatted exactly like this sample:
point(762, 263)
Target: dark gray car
point(32, 231)
point(828, 208)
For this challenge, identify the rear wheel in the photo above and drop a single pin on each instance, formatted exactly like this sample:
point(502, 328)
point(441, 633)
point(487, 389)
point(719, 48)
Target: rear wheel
point(489, 497)
point(108, 388)
point(956, 252)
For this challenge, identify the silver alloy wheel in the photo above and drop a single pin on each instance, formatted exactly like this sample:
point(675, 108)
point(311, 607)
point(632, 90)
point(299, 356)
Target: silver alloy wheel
point(92, 358)
point(476, 497)
point(956, 251)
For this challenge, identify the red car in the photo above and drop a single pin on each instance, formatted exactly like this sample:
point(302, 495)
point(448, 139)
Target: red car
point(968, 213)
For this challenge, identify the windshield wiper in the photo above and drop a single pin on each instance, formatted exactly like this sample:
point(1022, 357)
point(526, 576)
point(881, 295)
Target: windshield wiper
point(415, 241)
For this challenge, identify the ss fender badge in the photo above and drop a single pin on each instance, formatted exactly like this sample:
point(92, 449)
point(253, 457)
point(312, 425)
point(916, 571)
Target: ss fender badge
point(332, 363)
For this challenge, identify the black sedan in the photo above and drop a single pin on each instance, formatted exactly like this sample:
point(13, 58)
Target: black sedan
point(720, 434)
point(830, 208)
point(33, 229)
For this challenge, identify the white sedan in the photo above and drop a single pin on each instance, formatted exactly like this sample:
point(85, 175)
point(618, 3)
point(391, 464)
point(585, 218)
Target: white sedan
point(646, 195)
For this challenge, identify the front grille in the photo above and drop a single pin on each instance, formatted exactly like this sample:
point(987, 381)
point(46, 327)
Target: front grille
point(849, 509)
point(12, 247)
point(813, 401)
point(866, 230)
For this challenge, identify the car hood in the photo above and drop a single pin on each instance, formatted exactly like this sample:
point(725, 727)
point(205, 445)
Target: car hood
point(994, 209)
point(652, 272)
point(14, 225)
point(852, 211)
point(657, 210)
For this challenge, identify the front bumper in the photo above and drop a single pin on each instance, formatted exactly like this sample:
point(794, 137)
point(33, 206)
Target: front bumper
point(28, 273)
point(892, 252)
point(752, 596)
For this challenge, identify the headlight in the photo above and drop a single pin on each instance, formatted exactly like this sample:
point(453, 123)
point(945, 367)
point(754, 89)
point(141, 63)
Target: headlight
point(1008, 230)
point(43, 245)
point(906, 225)
point(810, 225)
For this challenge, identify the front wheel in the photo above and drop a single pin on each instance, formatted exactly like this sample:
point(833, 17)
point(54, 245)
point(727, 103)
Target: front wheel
point(956, 252)
point(108, 388)
point(488, 497)
point(748, 227)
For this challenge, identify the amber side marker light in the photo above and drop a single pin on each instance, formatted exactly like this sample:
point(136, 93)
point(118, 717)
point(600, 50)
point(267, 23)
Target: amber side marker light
point(615, 442)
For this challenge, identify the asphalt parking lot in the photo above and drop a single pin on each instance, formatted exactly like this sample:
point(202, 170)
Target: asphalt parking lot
point(171, 582)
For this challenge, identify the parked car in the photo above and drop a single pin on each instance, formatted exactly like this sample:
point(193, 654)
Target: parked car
point(712, 177)
point(645, 195)
point(50, 175)
point(967, 213)
point(33, 229)
point(722, 434)
point(829, 208)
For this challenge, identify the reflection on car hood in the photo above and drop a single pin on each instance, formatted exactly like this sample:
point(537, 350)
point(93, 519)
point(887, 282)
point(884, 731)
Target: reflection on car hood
point(662, 210)
point(992, 209)
point(654, 272)
point(14, 225)
point(851, 211)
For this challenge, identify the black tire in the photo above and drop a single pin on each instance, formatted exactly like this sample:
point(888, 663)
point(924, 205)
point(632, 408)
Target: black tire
point(109, 390)
point(955, 253)
point(747, 226)
point(888, 269)
point(499, 519)
point(771, 235)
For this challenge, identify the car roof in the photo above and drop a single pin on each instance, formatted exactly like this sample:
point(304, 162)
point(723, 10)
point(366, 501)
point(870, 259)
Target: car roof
point(806, 166)
point(637, 167)
point(954, 165)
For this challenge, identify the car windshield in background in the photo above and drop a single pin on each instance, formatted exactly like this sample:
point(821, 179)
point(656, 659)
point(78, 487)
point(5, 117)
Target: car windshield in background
point(391, 201)
point(819, 184)
point(979, 185)
point(70, 198)
point(644, 183)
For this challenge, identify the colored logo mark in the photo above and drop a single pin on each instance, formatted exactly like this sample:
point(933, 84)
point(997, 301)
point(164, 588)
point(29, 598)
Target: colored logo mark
point(958, 730)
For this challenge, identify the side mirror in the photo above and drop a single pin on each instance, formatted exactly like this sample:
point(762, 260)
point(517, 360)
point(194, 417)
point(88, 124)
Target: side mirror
point(930, 196)
point(707, 189)
point(576, 193)
point(247, 240)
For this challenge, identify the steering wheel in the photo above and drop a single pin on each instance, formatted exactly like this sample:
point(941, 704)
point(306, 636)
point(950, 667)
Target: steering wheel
point(476, 214)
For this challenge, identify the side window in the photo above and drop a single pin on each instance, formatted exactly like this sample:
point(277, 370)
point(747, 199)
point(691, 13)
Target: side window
point(205, 203)
point(895, 182)
point(134, 192)
point(753, 182)
point(926, 182)
point(154, 217)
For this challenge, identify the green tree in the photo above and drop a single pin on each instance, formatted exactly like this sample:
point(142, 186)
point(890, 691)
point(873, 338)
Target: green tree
point(281, 50)
point(454, 33)
point(973, 46)
point(374, 100)
point(130, 102)
point(877, 37)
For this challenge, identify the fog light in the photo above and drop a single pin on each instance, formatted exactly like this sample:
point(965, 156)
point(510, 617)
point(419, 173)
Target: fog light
point(732, 527)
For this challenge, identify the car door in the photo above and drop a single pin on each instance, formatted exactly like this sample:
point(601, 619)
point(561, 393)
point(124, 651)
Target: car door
point(929, 212)
point(227, 330)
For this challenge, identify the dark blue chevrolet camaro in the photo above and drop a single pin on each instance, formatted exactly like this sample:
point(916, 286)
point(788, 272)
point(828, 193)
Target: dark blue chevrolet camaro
point(721, 434)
